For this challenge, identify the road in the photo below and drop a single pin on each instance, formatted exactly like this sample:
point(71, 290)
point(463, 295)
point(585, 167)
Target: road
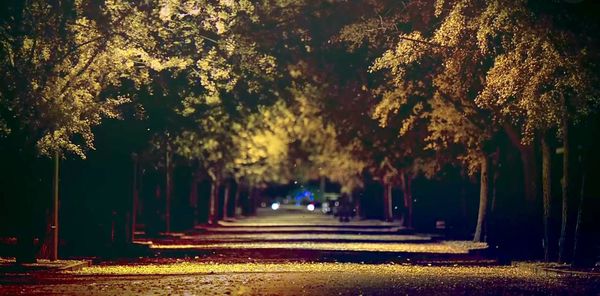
point(300, 253)
point(297, 278)
point(297, 234)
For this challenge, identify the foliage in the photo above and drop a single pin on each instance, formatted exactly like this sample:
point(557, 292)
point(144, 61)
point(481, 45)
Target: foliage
point(490, 61)
point(58, 64)
point(284, 142)
point(445, 77)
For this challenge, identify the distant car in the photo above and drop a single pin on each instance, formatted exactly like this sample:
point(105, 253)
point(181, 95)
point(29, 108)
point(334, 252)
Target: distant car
point(275, 206)
point(335, 207)
point(325, 208)
point(330, 204)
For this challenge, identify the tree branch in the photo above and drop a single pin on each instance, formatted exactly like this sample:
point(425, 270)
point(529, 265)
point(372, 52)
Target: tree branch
point(83, 69)
point(426, 42)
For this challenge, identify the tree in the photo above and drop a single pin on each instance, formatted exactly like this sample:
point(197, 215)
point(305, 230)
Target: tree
point(62, 62)
point(542, 79)
point(421, 90)
point(58, 58)
point(485, 54)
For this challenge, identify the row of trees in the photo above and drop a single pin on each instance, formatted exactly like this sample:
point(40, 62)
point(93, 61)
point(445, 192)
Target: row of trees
point(257, 93)
point(461, 75)
point(67, 65)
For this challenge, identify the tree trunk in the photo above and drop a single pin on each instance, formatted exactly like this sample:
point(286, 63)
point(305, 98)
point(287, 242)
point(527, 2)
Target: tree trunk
point(226, 198)
point(193, 201)
point(25, 235)
point(462, 226)
point(245, 200)
point(530, 174)
point(409, 201)
point(135, 198)
point(26, 178)
point(322, 187)
point(153, 208)
point(251, 204)
point(213, 202)
point(586, 229)
point(565, 243)
point(358, 204)
point(254, 200)
point(168, 188)
point(388, 214)
point(483, 201)
point(530, 214)
point(236, 199)
point(528, 159)
point(494, 177)
point(547, 198)
point(55, 207)
point(406, 185)
point(582, 255)
point(530, 233)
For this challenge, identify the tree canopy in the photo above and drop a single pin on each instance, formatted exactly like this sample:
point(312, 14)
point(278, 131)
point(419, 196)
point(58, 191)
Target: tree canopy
point(271, 91)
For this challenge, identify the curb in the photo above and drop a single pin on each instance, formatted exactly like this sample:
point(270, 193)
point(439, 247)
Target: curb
point(325, 255)
point(75, 265)
point(541, 269)
point(569, 272)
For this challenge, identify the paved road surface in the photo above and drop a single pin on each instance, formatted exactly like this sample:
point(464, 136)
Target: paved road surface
point(309, 279)
point(280, 253)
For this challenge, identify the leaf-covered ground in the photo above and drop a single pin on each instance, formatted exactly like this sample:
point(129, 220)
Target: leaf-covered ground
point(294, 278)
point(298, 229)
point(454, 247)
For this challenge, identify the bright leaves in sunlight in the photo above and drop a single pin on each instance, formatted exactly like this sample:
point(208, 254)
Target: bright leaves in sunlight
point(441, 79)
